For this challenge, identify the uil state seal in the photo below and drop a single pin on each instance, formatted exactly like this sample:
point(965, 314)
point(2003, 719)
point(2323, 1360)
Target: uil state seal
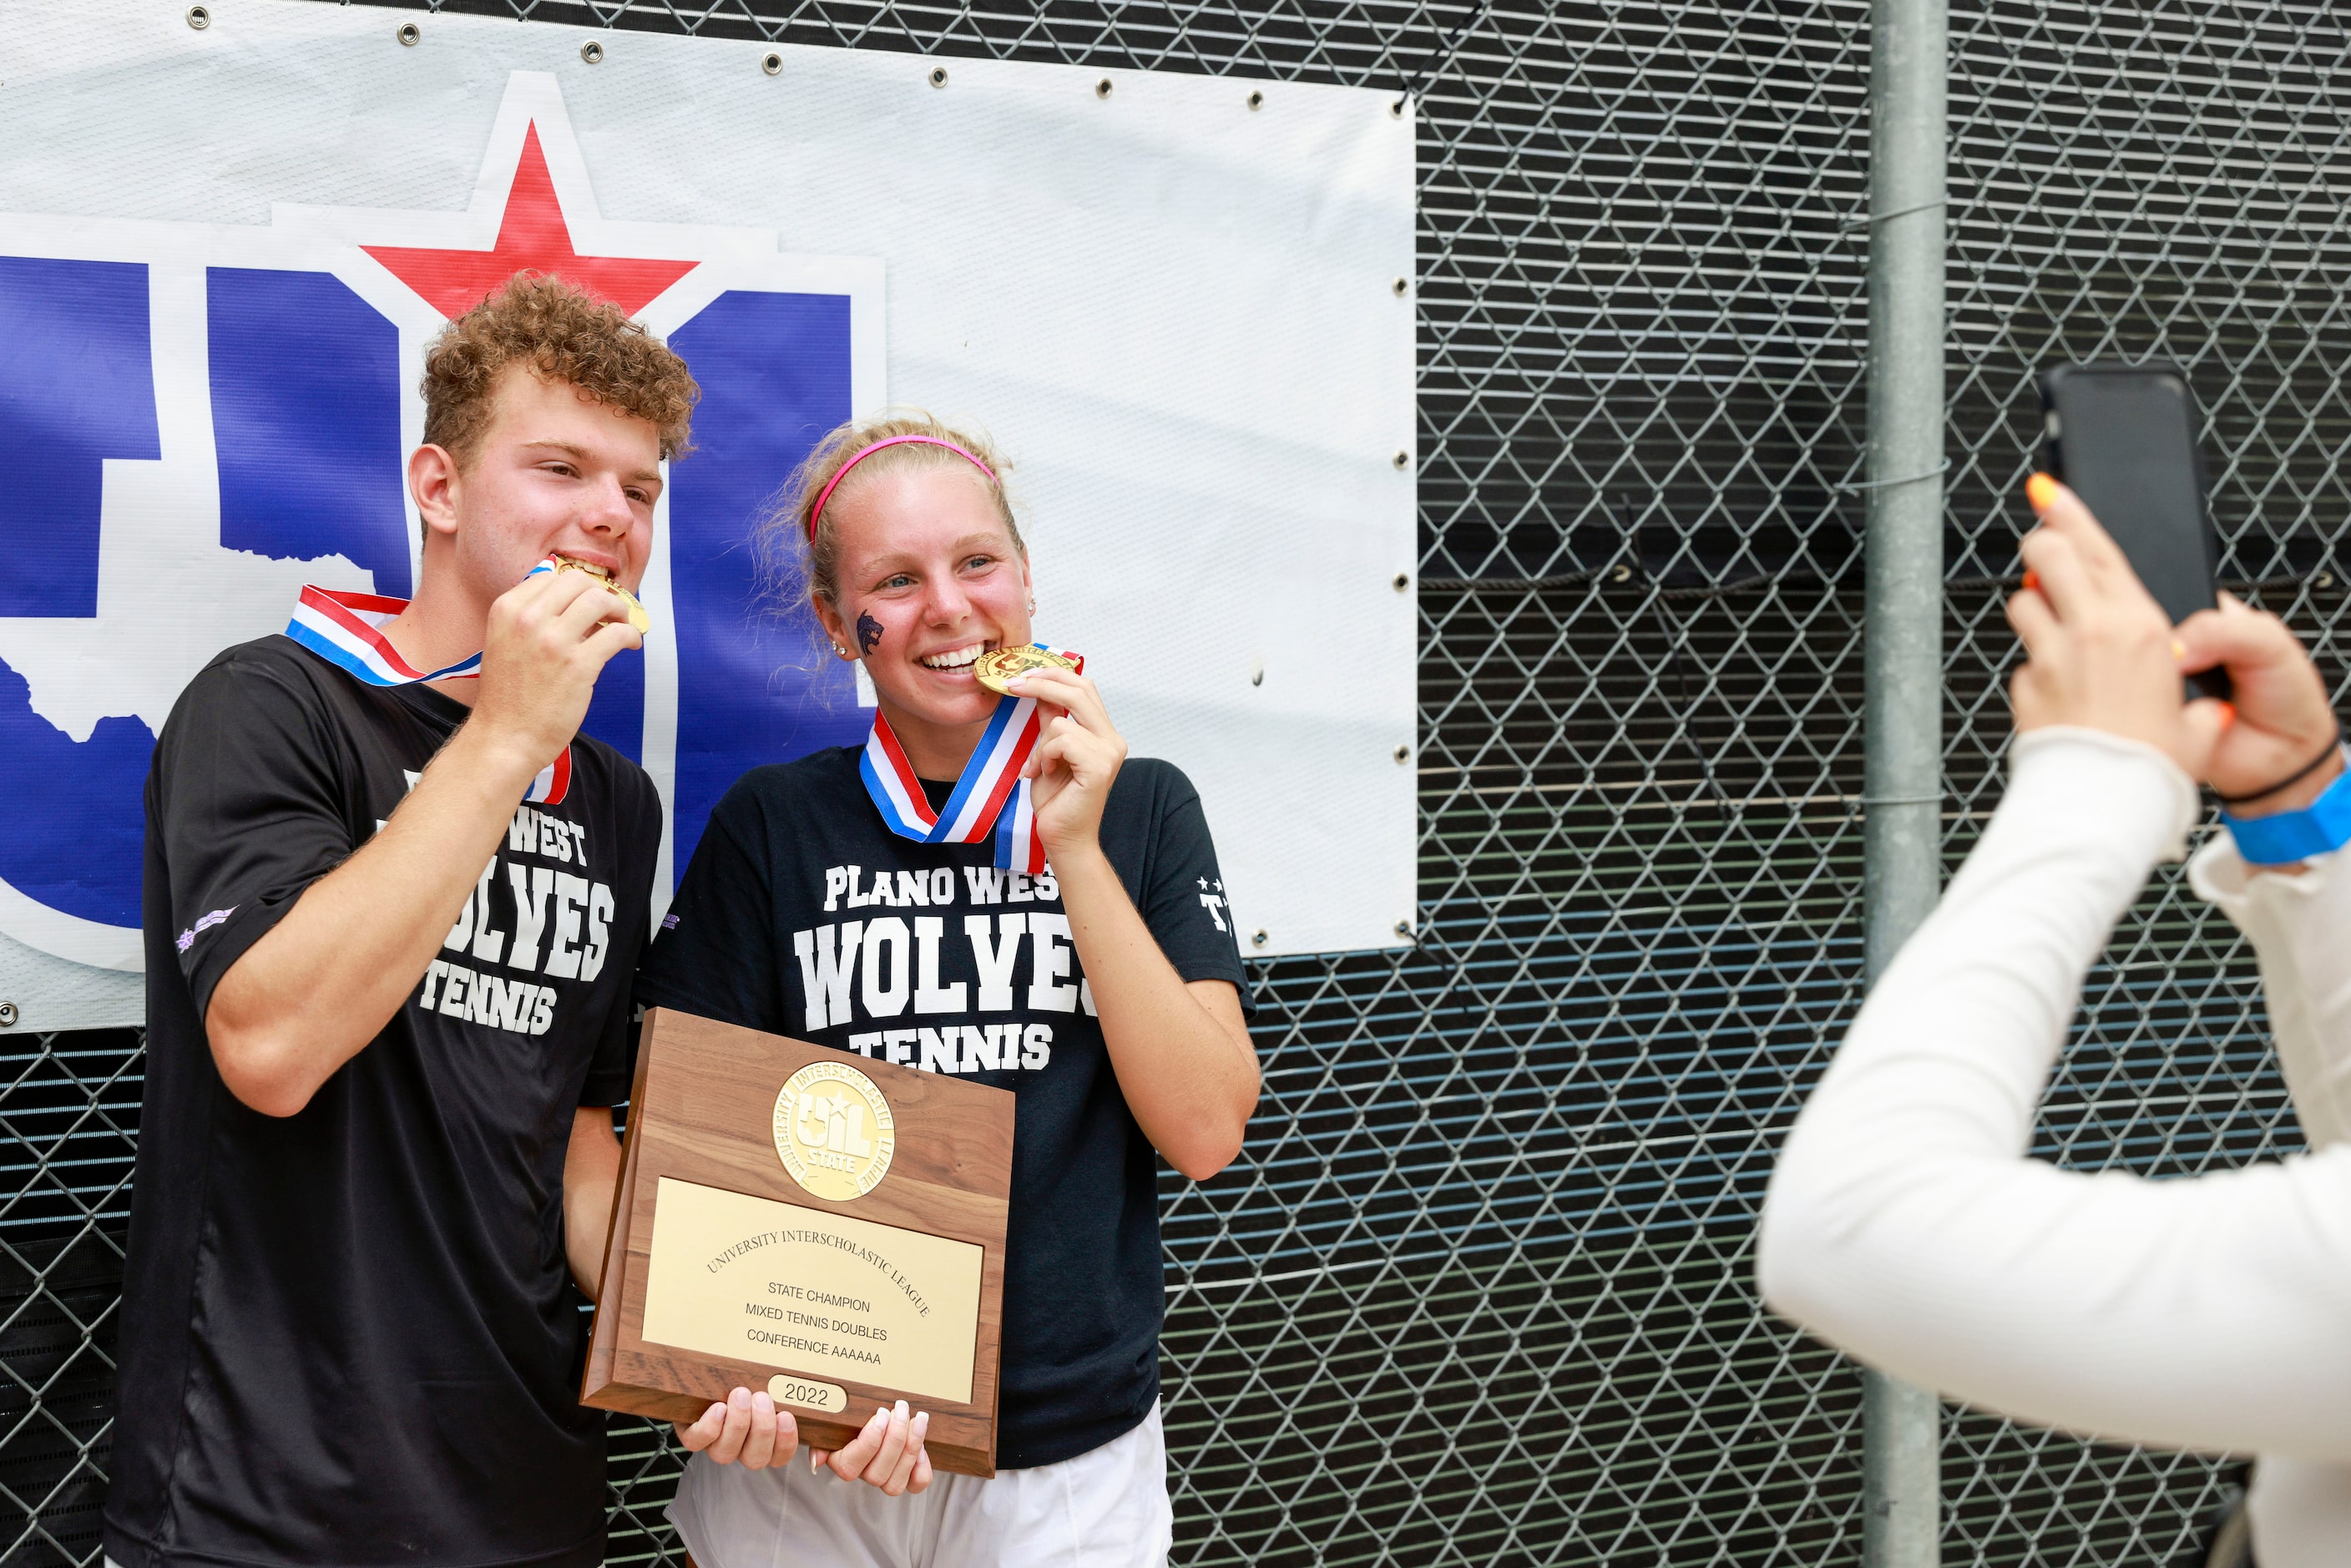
point(834, 1131)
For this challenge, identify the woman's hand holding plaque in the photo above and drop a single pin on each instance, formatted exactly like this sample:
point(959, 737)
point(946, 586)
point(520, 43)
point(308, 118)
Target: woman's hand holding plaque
point(746, 1428)
point(750, 1429)
point(888, 1453)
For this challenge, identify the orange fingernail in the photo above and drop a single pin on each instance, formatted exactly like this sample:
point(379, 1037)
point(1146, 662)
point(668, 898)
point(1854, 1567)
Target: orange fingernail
point(2228, 714)
point(2178, 649)
point(2042, 491)
point(2032, 580)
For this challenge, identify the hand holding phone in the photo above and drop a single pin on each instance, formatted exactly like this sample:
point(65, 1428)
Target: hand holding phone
point(2281, 753)
point(2102, 653)
point(2123, 439)
point(2126, 542)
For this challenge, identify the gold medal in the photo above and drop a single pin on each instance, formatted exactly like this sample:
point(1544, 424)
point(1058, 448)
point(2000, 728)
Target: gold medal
point(996, 667)
point(637, 616)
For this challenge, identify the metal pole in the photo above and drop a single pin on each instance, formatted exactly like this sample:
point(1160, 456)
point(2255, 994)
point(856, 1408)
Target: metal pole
point(1903, 713)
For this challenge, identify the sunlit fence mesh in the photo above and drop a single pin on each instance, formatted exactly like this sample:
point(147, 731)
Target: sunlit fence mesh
point(1479, 1289)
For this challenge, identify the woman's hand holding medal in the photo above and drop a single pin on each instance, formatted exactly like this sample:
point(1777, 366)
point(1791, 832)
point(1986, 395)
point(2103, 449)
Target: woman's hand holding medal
point(1079, 755)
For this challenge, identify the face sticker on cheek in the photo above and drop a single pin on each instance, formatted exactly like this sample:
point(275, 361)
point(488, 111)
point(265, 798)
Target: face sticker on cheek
point(868, 633)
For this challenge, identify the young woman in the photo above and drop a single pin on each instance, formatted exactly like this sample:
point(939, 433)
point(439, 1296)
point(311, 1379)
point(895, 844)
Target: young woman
point(1905, 1222)
point(1075, 942)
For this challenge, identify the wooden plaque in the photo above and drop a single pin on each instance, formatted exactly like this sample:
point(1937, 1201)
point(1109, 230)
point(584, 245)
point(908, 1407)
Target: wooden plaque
point(797, 1218)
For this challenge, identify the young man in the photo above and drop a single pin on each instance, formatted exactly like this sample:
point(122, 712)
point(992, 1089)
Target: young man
point(392, 911)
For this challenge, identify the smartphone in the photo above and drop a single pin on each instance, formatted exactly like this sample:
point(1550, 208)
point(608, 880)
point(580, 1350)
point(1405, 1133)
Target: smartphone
point(2123, 437)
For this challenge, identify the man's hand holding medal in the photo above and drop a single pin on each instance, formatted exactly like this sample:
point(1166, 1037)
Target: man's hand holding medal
point(549, 637)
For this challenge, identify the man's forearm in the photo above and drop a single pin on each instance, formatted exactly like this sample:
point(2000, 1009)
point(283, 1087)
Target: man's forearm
point(311, 994)
point(591, 1168)
point(1190, 1078)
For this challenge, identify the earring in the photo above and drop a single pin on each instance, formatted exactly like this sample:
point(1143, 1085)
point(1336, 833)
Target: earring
point(1032, 604)
point(842, 651)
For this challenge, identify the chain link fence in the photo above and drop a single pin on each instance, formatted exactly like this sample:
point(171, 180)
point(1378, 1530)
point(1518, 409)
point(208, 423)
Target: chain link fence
point(1479, 1289)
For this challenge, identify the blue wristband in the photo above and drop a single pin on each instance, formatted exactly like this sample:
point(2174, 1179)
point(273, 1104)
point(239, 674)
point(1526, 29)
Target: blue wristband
point(2319, 828)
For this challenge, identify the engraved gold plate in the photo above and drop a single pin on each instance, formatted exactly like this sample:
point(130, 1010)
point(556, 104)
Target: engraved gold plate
point(994, 668)
point(807, 1393)
point(812, 1292)
point(834, 1131)
point(637, 616)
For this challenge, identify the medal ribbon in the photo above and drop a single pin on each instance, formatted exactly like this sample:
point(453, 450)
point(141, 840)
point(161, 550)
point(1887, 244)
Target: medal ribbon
point(990, 799)
point(341, 629)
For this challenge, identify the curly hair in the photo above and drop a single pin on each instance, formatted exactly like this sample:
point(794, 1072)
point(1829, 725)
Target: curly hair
point(784, 531)
point(563, 334)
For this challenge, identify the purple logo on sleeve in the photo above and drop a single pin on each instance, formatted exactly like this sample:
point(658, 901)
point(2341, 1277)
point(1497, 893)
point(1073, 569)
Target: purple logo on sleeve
point(188, 937)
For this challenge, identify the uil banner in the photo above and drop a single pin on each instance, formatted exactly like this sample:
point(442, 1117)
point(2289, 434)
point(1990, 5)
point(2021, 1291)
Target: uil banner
point(1181, 305)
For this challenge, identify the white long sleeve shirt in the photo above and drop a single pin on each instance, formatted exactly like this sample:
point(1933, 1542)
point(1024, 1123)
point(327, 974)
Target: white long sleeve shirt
point(1906, 1224)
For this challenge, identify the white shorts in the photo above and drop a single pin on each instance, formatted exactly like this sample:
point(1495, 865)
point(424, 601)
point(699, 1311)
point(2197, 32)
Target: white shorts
point(2301, 1511)
point(1105, 1509)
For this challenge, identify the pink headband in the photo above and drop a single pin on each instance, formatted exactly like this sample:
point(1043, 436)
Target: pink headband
point(843, 472)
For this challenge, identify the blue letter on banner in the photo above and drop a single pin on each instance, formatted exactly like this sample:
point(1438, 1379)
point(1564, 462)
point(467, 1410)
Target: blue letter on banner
point(78, 387)
point(305, 421)
point(754, 683)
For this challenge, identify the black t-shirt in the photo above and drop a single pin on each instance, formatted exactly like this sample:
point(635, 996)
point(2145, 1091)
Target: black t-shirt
point(803, 915)
point(348, 1336)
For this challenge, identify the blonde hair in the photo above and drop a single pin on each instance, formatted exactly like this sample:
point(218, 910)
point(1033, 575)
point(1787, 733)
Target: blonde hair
point(784, 532)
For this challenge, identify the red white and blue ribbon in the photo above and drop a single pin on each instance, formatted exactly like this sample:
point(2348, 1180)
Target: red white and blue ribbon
point(341, 629)
point(989, 800)
point(553, 783)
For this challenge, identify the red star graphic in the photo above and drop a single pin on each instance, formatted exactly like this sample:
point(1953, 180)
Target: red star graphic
point(531, 236)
